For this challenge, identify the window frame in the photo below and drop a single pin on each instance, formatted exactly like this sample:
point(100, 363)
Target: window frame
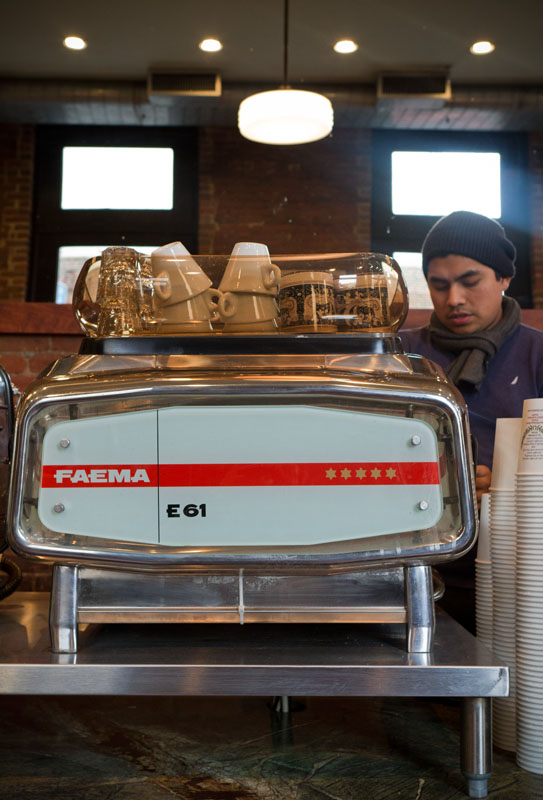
point(406, 232)
point(54, 227)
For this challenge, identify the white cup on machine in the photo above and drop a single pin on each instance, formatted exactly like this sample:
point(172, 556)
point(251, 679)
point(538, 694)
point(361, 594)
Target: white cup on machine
point(250, 284)
point(249, 269)
point(184, 299)
point(177, 276)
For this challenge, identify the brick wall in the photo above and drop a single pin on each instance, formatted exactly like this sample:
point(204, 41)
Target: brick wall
point(314, 198)
point(24, 356)
point(311, 198)
point(16, 185)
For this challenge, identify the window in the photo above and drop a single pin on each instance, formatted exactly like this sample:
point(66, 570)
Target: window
point(97, 187)
point(434, 184)
point(117, 177)
point(419, 177)
point(411, 265)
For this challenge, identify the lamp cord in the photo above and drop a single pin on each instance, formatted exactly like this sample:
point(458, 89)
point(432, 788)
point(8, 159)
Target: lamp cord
point(285, 45)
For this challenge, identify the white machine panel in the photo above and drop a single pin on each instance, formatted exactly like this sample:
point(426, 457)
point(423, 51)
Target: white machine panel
point(284, 475)
point(99, 477)
point(208, 476)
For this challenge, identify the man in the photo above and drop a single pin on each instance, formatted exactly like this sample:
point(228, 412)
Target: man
point(476, 335)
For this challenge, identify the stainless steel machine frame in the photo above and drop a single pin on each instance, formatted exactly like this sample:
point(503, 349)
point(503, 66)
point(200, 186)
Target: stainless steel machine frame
point(391, 383)
point(83, 595)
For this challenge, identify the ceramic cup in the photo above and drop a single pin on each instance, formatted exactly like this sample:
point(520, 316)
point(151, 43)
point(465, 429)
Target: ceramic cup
point(177, 276)
point(249, 269)
point(306, 303)
point(192, 315)
point(246, 307)
point(365, 303)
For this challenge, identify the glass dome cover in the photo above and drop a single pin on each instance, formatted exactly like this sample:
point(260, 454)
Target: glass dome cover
point(122, 293)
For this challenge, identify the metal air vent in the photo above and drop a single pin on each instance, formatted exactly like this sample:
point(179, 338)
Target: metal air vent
point(423, 89)
point(179, 83)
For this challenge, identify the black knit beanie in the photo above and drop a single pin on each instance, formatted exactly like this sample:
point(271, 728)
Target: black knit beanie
point(464, 233)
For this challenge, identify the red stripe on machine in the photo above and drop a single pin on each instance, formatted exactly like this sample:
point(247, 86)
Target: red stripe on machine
point(291, 474)
point(325, 474)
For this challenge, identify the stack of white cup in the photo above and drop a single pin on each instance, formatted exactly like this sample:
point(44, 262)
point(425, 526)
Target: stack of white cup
point(503, 554)
point(529, 642)
point(483, 577)
point(250, 284)
point(184, 299)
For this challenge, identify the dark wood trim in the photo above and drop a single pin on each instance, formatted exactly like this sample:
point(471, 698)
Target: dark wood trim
point(38, 319)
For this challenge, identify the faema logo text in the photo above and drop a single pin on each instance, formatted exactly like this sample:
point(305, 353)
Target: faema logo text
point(98, 475)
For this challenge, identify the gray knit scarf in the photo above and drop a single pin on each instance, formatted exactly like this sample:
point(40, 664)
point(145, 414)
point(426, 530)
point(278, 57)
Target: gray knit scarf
point(474, 349)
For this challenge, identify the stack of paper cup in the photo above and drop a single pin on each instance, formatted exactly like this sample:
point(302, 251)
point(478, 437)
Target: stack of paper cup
point(483, 577)
point(529, 642)
point(503, 554)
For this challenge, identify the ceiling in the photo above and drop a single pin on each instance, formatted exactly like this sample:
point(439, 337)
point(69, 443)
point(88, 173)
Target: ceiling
point(41, 81)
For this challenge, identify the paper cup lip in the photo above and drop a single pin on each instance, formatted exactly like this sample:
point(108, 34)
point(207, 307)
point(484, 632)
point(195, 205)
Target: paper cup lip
point(530, 403)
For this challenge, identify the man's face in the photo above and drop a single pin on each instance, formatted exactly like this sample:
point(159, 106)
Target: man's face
point(466, 295)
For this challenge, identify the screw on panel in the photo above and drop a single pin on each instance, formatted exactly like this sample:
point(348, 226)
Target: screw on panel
point(58, 508)
point(423, 505)
point(415, 440)
point(64, 443)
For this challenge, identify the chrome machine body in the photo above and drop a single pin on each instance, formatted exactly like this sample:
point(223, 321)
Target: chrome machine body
point(277, 486)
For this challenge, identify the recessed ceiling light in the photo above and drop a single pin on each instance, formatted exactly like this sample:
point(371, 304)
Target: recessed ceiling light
point(346, 46)
point(481, 48)
point(74, 43)
point(210, 45)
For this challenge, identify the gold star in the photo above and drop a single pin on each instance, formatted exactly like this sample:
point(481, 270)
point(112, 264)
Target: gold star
point(376, 473)
point(391, 473)
point(360, 473)
point(345, 473)
point(330, 474)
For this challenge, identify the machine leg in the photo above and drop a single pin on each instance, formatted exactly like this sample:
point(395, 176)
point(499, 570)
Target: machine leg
point(63, 610)
point(281, 704)
point(476, 744)
point(419, 601)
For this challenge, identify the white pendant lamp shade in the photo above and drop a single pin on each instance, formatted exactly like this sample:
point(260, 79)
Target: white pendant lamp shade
point(285, 116)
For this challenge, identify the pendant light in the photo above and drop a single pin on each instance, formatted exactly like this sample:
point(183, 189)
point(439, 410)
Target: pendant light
point(285, 115)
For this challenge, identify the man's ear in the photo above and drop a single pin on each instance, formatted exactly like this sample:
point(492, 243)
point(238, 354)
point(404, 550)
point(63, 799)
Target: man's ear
point(505, 283)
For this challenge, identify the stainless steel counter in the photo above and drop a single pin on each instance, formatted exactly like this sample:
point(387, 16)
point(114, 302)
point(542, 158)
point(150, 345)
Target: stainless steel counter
point(256, 659)
point(208, 659)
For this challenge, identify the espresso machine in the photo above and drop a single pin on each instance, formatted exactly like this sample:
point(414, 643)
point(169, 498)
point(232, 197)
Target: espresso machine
point(241, 439)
